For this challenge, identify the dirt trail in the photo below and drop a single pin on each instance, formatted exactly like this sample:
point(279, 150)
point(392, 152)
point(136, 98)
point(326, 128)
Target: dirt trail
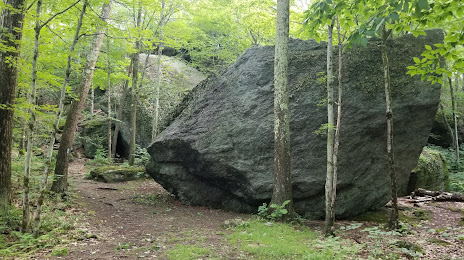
point(139, 219)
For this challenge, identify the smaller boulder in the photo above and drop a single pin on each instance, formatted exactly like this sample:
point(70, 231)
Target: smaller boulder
point(431, 172)
point(116, 173)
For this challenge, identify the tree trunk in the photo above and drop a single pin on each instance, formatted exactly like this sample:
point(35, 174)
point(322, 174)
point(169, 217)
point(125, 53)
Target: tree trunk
point(48, 164)
point(339, 118)
point(329, 216)
point(134, 101)
point(282, 164)
point(12, 23)
point(22, 141)
point(32, 121)
point(60, 183)
point(455, 118)
point(108, 92)
point(160, 73)
point(445, 121)
point(120, 109)
point(389, 116)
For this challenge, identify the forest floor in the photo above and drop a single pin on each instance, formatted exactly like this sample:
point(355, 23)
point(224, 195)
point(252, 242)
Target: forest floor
point(139, 219)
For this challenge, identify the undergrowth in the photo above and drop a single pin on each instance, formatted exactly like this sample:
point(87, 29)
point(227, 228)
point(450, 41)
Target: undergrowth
point(57, 226)
point(456, 171)
point(269, 240)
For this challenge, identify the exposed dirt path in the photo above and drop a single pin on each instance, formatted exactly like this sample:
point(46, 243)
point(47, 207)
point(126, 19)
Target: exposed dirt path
point(140, 219)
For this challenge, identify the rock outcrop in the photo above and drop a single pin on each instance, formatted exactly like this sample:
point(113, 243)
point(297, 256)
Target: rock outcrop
point(218, 151)
point(431, 172)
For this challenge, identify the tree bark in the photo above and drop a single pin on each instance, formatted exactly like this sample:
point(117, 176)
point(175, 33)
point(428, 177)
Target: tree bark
point(60, 183)
point(32, 121)
point(389, 116)
point(12, 23)
point(134, 101)
point(339, 118)
point(282, 190)
point(48, 164)
point(455, 118)
point(329, 215)
point(445, 121)
point(108, 92)
point(160, 73)
point(439, 195)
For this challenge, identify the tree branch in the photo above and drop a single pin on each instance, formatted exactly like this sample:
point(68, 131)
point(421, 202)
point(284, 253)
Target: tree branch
point(55, 15)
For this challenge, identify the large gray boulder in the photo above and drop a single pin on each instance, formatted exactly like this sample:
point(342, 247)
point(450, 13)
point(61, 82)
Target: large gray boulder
point(218, 151)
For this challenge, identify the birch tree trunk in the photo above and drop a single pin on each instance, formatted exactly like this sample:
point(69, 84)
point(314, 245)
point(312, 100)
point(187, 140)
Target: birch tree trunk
point(329, 216)
point(108, 92)
point(48, 164)
point(60, 183)
point(31, 123)
point(134, 101)
point(389, 116)
point(12, 23)
point(160, 75)
point(339, 118)
point(282, 190)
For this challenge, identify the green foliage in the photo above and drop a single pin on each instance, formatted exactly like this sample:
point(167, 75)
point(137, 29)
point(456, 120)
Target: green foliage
point(283, 241)
point(189, 252)
point(141, 156)
point(60, 251)
point(274, 211)
point(456, 176)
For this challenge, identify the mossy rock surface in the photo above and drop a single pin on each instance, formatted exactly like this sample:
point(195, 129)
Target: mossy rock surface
point(116, 173)
point(430, 173)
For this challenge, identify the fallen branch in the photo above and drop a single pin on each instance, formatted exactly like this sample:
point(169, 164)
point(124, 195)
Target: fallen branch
point(426, 195)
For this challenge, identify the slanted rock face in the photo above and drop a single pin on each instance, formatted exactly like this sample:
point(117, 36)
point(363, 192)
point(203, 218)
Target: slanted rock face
point(218, 151)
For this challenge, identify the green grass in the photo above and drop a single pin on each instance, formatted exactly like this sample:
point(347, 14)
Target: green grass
point(189, 252)
point(266, 240)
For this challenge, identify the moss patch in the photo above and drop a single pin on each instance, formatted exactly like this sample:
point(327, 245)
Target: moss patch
point(116, 173)
point(431, 172)
point(268, 240)
point(381, 216)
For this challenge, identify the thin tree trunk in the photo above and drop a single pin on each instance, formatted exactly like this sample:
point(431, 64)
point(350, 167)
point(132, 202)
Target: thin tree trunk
point(120, 109)
point(12, 23)
point(389, 116)
point(455, 118)
point(108, 92)
point(60, 183)
point(329, 220)
point(160, 74)
point(48, 164)
point(445, 121)
point(339, 118)
point(22, 141)
point(134, 101)
point(32, 121)
point(282, 190)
